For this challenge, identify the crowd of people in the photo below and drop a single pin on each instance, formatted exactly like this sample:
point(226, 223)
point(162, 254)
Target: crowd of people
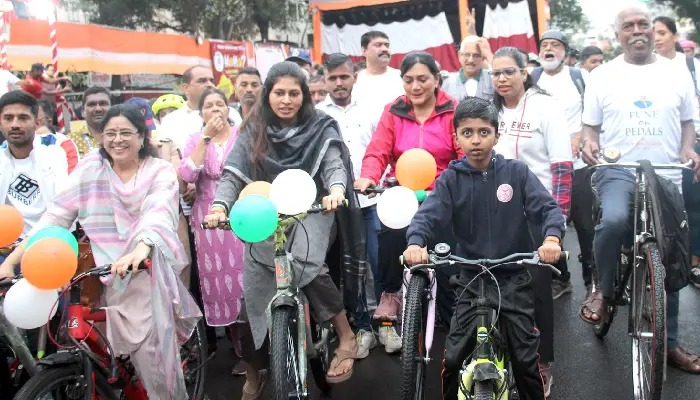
point(512, 134)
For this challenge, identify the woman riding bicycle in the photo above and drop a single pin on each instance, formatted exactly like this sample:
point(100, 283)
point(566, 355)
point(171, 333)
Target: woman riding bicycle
point(126, 200)
point(285, 131)
point(422, 118)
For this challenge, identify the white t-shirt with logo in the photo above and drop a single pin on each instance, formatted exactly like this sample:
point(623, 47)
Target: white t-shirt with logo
point(376, 91)
point(565, 92)
point(640, 109)
point(24, 192)
point(7, 81)
point(535, 132)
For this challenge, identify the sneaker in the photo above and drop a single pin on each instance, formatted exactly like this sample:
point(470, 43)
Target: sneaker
point(389, 339)
point(695, 276)
point(559, 288)
point(389, 307)
point(366, 341)
point(547, 378)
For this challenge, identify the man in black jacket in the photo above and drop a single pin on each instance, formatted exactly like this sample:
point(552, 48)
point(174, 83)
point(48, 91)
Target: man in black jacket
point(491, 204)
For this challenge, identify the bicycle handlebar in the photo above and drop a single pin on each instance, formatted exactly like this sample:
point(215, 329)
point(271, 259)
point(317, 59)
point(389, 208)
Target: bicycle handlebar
point(688, 165)
point(314, 209)
point(517, 258)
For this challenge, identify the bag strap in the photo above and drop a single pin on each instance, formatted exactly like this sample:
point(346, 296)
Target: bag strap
point(536, 74)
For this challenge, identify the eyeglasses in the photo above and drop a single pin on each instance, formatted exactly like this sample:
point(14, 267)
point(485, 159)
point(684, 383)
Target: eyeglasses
point(508, 72)
point(125, 135)
point(470, 55)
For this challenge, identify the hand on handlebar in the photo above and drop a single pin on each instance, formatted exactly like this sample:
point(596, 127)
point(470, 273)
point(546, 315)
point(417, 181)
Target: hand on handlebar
point(549, 252)
point(362, 184)
point(415, 254)
point(215, 217)
point(335, 199)
point(590, 152)
point(689, 154)
point(131, 260)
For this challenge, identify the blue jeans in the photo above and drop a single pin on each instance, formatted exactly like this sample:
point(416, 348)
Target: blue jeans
point(615, 188)
point(373, 227)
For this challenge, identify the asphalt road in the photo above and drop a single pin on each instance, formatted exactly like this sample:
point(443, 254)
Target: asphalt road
point(586, 367)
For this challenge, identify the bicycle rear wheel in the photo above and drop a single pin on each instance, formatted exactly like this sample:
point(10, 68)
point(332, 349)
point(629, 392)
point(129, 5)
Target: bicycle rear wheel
point(649, 322)
point(194, 358)
point(413, 350)
point(54, 384)
point(284, 360)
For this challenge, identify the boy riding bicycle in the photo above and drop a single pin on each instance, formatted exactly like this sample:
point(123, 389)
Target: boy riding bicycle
point(492, 203)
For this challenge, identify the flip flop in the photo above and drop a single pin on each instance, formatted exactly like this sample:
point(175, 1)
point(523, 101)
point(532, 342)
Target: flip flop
point(587, 308)
point(339, 357)
point(255, 394)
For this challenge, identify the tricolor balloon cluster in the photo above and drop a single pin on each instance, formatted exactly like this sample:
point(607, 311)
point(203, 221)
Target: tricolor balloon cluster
point(49, 262)
point(254, 217)
point(415, 171)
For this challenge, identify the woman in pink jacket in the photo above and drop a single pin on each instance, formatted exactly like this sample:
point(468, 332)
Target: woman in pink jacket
point(422, 118)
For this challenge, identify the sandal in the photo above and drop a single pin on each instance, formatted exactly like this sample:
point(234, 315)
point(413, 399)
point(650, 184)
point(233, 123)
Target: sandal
point(684, 360)
point(339, 357)
point(593, 305)
point(255, 394)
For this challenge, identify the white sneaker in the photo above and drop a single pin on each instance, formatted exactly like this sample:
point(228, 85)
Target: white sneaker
point(365, 342)
point(389, 339)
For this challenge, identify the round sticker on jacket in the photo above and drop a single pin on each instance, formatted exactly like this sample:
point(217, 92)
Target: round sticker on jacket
point(504, 193)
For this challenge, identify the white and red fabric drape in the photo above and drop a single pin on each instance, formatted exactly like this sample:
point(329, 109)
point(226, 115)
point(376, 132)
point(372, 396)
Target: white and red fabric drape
point(509, 26)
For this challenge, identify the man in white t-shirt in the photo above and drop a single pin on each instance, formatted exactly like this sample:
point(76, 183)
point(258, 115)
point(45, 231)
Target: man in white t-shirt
point(30, 174)
point(8, 81)
point(563, 83)
point(645, 107)
point(378, 84)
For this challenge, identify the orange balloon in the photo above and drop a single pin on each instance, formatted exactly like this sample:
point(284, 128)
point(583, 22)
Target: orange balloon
point(49, 264)
point(257, 187)
point(12, 224)
point(416, 169)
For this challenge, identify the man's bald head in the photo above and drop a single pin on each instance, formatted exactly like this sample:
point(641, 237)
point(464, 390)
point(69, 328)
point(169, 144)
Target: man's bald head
point(628, 12)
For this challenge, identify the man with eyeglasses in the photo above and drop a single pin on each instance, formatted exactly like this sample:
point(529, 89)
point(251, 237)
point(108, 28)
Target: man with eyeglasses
point(472, 80)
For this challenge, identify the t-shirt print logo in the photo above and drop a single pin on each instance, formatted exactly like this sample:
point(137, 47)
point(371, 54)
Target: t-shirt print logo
point(24, 189)
point(504, 193)
point(643, 103)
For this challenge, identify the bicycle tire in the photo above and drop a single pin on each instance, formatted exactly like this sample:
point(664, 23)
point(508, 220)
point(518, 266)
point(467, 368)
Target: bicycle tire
point(650, 307)
point(412, 369)
point(49, 379)
point(319, 365)
point(483, 390)
point(281, 355)
point(194, 355)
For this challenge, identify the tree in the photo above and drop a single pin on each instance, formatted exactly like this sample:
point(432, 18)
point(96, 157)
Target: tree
point(220, 19)
point(685, 9)
point(567, 15)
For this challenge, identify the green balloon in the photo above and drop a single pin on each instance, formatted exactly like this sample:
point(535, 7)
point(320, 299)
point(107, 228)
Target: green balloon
point(54, 232)
point(253, 218)
point(421, 195)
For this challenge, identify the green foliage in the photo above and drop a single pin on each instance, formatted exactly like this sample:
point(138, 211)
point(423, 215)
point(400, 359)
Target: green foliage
point(567, 16)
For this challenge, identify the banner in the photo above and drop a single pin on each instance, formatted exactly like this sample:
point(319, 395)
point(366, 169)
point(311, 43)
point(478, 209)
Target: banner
point(228, 58)
point(153, 81)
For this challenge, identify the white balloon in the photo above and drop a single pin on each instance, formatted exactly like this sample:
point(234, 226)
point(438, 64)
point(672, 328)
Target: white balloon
point(397, 206)
point(293, 192)
point(27, 307)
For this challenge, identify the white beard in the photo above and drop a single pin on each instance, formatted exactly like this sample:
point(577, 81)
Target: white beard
point(550, 65)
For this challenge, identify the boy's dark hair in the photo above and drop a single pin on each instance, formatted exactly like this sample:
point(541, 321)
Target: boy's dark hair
point(20, 97)
point(371, 35)
point(478, 108)
point(95, 90)
point(589, 51)
point(335, 60)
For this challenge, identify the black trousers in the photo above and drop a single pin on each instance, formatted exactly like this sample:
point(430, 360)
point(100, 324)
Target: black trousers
point(582, 217)
point(516, 324)
point(392, 244)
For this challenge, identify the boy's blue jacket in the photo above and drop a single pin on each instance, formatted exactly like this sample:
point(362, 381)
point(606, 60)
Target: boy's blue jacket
point(489, 211)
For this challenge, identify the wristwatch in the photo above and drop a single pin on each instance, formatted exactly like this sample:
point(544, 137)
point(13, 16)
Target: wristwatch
point(148, 242)
point(207, 139)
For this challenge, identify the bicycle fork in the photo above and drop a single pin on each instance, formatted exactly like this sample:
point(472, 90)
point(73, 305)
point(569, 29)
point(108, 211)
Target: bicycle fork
point(430, 323)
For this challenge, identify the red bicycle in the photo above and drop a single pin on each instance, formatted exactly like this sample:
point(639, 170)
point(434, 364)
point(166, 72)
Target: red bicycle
point(88, 369)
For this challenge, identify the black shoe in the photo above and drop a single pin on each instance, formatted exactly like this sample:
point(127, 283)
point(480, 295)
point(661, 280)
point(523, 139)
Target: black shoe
point(559, 288)
point(695, 276)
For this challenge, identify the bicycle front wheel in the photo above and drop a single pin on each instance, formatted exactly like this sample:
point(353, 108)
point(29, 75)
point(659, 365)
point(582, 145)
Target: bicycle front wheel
point(483, 390)
point(413, 337)
point(194, 359)
point(284, 361)
point(54, 383)
point(649, 336)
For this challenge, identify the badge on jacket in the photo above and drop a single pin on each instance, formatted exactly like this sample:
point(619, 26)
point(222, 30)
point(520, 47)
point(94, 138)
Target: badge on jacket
point(504, 193)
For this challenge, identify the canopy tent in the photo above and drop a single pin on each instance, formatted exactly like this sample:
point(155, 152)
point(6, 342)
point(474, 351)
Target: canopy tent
point(434, 26)
point(100, 49)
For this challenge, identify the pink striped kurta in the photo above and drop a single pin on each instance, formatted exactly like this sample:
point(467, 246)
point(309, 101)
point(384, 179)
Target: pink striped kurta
point(155, 312)
point(219, 253)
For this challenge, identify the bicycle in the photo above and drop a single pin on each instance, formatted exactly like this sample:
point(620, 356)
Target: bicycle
point(639, 282)
point(291, 328)
point(487, 374)
point(90, 370)
point(13, 347)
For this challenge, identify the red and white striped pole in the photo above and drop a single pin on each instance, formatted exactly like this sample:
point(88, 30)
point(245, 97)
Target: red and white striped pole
point(3, 41)
point(60, 99)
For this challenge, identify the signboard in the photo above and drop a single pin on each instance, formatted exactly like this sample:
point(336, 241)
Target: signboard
point(228, 58)
point(100, 79)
